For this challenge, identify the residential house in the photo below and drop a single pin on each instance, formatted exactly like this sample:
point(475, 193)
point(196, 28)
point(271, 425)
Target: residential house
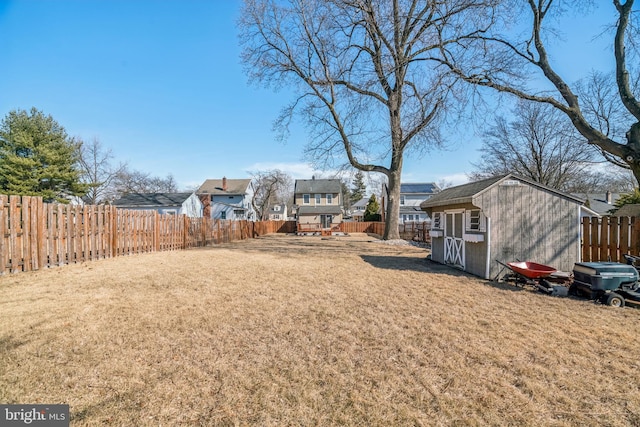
point(358, 208)
point(278, 213)
point(411, 195)
point(505, 218)
point(165, 203)
point(319, 204)
point(227, 199)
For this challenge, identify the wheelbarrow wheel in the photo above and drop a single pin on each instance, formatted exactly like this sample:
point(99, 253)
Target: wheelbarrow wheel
point(615, 300)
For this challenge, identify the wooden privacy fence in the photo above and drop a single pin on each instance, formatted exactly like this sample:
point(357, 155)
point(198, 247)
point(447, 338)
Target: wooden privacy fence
point(609, 238)
point(362, 227)
point(36, 235)
point(418, 231)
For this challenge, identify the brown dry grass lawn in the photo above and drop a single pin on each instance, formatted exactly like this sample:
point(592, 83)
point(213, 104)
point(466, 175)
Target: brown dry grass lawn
point(303, 331)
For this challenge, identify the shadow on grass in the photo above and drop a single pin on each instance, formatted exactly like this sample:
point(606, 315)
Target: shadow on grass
point(411, 263)
point(401, 263)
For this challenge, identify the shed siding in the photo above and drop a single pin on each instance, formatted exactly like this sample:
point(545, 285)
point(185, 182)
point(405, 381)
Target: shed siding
point(437, 249)
point(530, 224)
point(475, 258)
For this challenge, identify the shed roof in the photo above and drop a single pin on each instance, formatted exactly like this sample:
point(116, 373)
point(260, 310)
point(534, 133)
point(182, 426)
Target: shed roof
point(318, 186)
point(234, 186)
point(151, 200)
point(319, 210)
point(466, 192)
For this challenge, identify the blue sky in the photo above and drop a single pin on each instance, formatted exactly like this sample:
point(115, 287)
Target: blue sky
point(160, 83)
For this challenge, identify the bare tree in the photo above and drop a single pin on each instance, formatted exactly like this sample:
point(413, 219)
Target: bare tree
point(541, 144)
point(98, 172)
point(362, 75)
point(270, 188)
point(133, 181)
point(506, 60)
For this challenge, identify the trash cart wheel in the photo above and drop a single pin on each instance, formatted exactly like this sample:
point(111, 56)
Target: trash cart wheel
point(574, 291)
point(615, 300)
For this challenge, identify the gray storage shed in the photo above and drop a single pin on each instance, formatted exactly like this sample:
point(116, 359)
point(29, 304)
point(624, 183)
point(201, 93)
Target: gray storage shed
point(504, 218)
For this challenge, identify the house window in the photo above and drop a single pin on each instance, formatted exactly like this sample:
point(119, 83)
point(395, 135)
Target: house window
point(401, 200)
point(223, 215)
point(437, 218)
point(318, 198)
point(238, 213)
point(329, 199)
point(276, 208)
point(306, 199)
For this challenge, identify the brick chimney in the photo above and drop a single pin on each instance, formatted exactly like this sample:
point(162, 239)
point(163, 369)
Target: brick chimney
point(224, 183)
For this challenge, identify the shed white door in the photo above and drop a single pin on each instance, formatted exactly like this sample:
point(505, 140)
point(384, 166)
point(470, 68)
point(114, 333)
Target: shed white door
point(453, 241)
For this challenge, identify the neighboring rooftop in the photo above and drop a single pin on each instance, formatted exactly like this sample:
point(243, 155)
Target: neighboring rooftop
point(151, 200)
point(362, 203)
point(324, 209)
point(419, 188)
point(601, 203)
point(628, 210)
point(224, 186)
point(318, 186)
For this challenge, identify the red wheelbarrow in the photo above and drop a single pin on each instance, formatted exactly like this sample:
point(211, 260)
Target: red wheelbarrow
point(543, 277)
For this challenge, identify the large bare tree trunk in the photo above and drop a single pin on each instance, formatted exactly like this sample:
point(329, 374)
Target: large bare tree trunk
point(393, 207)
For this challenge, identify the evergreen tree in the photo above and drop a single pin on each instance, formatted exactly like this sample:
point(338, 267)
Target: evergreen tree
point(37, 158)
point(371, 211)
point(346, 195)
point(359, 188)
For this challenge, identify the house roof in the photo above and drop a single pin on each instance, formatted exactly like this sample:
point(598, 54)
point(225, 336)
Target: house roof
point(234, 186)
point(465, 193)
point(318, 186)
point(598, 201)
point(360, 203)
point(281, 207)
point(151, 200)
point(410, 209)
point(318, 210)
point(418, 188)
point(628, 210)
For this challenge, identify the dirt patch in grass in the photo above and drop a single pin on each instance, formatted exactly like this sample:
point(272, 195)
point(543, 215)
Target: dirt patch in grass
point(285, 330)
